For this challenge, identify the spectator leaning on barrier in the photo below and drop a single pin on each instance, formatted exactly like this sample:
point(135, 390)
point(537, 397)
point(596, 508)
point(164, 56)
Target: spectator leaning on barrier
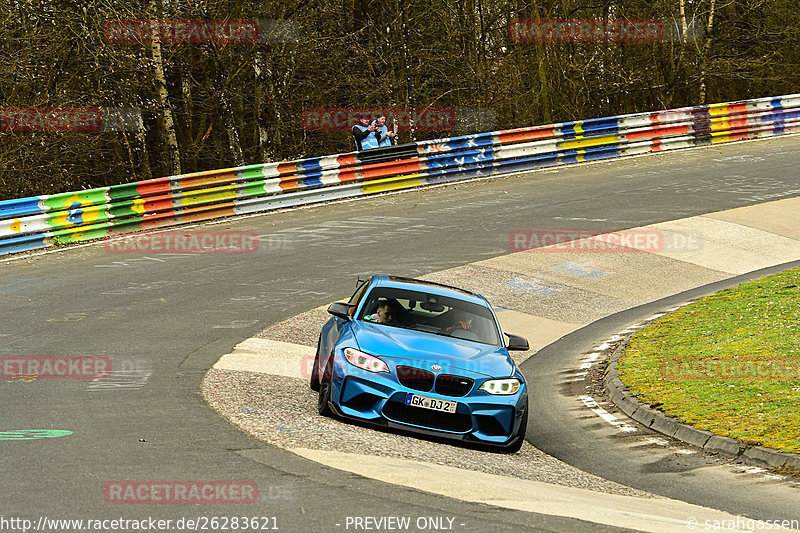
point(385, 137)
point(364, 134)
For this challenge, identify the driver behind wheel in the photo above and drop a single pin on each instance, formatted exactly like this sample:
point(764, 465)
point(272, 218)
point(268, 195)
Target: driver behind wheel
point(386, 313)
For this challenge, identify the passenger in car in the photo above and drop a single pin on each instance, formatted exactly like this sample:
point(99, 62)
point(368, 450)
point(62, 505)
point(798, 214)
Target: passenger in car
point(459, 321)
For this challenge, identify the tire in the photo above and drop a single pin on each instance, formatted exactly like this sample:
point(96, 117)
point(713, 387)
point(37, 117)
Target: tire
point(325, 385)
point(313, 381)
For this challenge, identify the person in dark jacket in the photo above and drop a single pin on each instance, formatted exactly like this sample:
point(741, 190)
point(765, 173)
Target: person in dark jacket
point(364, 134)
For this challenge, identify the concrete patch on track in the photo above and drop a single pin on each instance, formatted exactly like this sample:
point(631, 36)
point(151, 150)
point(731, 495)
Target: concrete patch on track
point(726, 246)
point(272, 357)
point(571, 304)
point(631, 279)
point(781, 218)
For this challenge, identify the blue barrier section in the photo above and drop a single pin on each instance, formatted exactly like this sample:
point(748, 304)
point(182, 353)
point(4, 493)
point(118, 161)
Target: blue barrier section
point(22, 244)
point(20, 207)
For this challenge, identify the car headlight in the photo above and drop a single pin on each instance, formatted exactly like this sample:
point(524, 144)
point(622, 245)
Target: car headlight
point(501, 386)
point(365, 361)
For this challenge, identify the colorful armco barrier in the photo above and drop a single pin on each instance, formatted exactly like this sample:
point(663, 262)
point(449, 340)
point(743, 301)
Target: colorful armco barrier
point(42, 221)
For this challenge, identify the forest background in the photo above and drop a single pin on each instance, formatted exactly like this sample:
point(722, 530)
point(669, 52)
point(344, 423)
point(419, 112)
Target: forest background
point(217, 104)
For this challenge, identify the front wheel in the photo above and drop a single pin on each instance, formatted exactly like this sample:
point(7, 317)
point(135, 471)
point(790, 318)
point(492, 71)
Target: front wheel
point(325, 386)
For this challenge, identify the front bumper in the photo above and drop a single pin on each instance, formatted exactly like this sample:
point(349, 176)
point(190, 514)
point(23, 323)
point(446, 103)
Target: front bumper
point(480, 417)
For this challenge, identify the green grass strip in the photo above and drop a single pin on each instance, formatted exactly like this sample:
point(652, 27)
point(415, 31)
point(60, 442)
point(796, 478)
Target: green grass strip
point(728, 363)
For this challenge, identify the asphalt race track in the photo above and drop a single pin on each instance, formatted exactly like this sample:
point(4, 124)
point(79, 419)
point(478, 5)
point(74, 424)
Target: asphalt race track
point(163, 320)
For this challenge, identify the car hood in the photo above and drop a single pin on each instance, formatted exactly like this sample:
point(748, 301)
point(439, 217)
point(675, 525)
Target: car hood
point(418, 348)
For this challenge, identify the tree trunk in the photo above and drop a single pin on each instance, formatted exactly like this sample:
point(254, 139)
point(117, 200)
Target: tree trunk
point(544, 81)
point(706, 52)
point(262, 77)
point(167, 118)
point(683, 20)
point(230, 127)
point(144, 155)
point(404, 62)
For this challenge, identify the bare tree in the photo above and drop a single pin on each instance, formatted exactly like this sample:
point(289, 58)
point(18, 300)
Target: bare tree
point(167, 118)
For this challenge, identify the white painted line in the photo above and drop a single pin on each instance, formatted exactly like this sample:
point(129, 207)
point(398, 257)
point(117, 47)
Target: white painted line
point(598, 351)
point(759, 471)
point(751, 469)
point(590, 360)
point(663, 442)
point(762, 471)
point(593, 406)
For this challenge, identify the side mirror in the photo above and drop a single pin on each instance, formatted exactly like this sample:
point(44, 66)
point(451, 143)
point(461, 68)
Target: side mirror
point(517, 343)
point(340, 309)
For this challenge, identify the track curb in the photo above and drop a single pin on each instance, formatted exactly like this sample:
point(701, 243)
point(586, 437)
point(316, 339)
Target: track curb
point(661, 423)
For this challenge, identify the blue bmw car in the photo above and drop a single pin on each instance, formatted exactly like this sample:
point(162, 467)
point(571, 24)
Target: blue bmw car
point(422, 357)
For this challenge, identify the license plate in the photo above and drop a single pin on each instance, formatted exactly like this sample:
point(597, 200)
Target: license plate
point(434, 404)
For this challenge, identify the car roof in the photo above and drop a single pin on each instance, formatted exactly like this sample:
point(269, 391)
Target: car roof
point(430, 287)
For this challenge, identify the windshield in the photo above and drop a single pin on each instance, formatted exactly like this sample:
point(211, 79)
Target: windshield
point(430, 313)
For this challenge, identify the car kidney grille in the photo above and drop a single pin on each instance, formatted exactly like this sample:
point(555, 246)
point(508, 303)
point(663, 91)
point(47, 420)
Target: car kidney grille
point(451, 385)
point(456, 422)
point(415, 378)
